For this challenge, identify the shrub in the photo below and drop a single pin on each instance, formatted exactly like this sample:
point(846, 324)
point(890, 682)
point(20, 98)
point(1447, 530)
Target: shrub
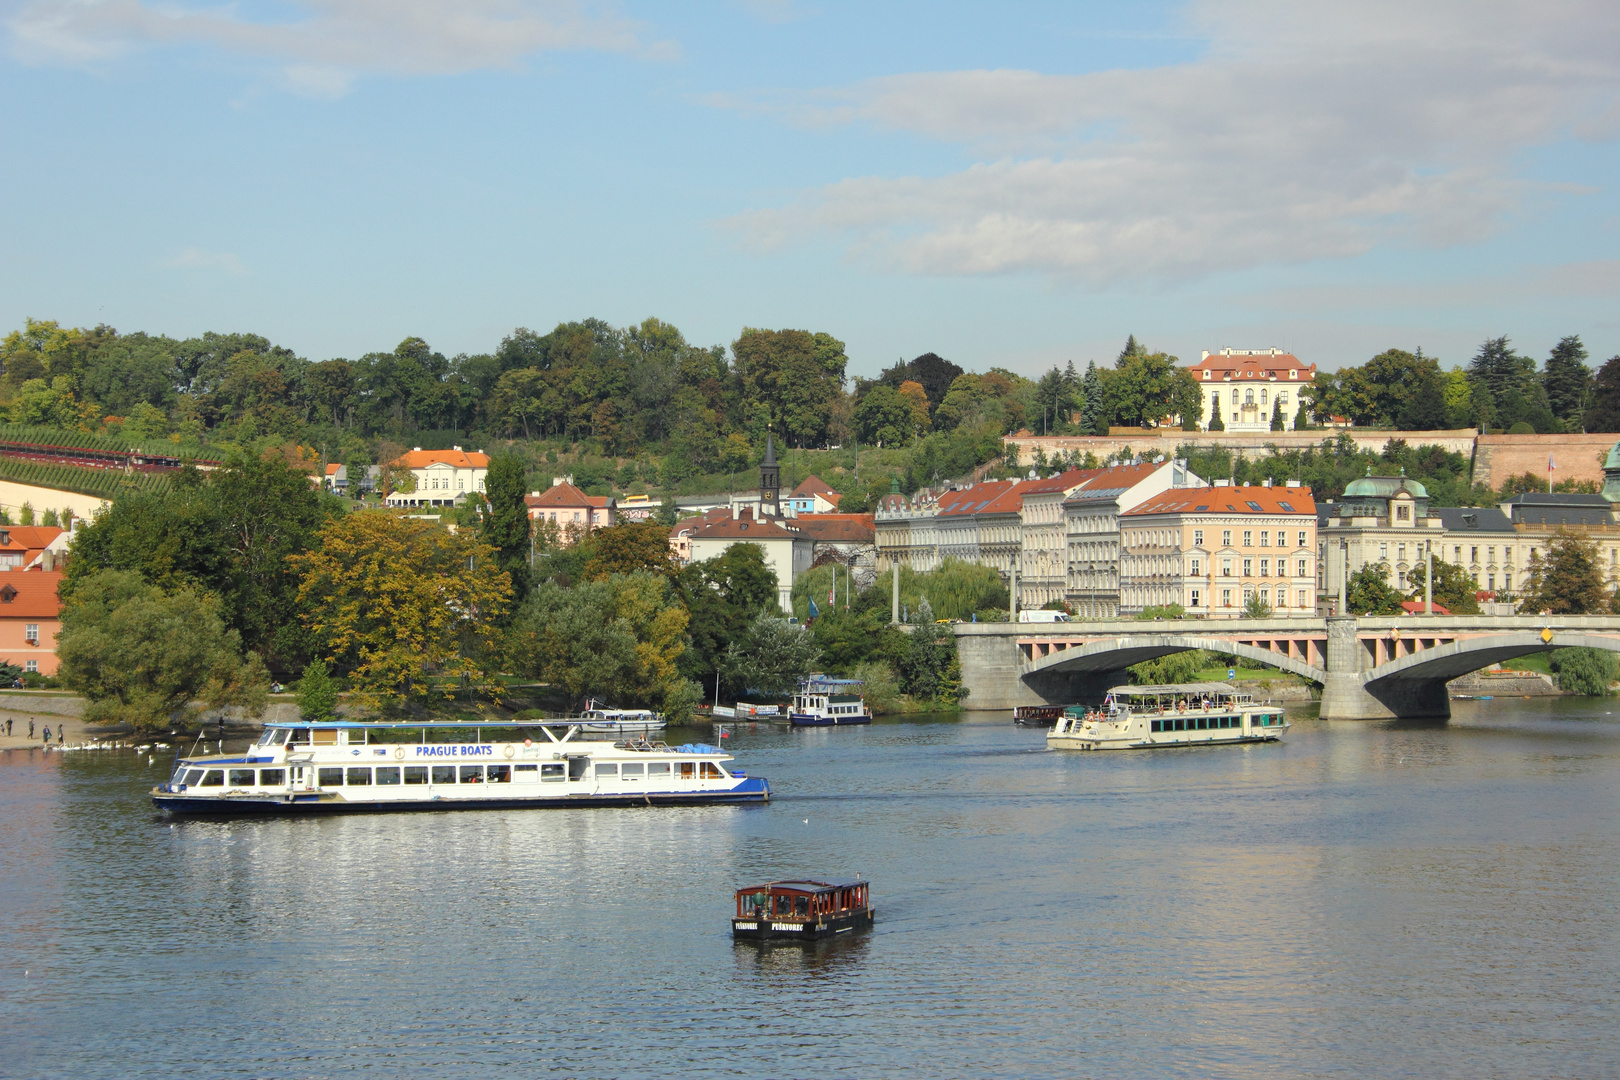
point(1585, 671)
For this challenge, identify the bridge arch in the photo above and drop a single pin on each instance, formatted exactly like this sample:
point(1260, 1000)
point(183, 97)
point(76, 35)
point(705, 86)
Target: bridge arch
point(1457, 658)
point(1116, 654)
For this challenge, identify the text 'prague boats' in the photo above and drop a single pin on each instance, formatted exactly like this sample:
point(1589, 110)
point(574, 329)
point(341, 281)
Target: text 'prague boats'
point(804, 910)
point(303, 767)
point(1178, 714)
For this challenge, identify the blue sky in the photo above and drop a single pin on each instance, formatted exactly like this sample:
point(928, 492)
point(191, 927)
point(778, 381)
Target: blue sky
point(1011, 184)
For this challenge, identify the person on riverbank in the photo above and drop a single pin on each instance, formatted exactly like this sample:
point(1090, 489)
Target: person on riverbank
point(30, 727)
point(8, 729)
point(47, 735)
point(60, 737)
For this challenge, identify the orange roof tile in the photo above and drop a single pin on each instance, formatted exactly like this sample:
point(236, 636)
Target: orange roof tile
point(460, 459)
point(1231, 500)
point(838, 528)
point(30, 594)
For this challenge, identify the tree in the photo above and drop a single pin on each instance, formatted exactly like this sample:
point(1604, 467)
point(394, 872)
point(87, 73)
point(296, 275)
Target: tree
point(1161, 612)
point(1567, 581)
point(1591, 672)
point(722, 596)
point(393, 600)
point(917, 398)
point(1091, 401)
point(1181, 667)
point(1277, 423)
point(883, 417)
point(1603, 410)
point(1256, 608)
point(935, 373)
point(1425, 408)
point(1217, 424)
point(503, 520)
point(1568, 381)
point(790, 379)
point(317, 692)
point(147, 657)
point(773, 656)
point(624, 549)
point(1454, 587)
point(618, 639)
point(1499, 369)
point(1370, 592)
point(930, 669)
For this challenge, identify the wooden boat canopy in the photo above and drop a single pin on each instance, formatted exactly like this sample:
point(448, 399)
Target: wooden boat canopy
point(802, 899)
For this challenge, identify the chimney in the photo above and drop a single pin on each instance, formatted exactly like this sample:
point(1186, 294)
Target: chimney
point(1204, 357)
point(534, 494)
point(1222, 483)
point(1291, 483)
point(1266, 482)
point(416, 449)
point(736, 512)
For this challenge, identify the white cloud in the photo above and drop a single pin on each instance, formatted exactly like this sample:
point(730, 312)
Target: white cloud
point(325, 44)
point(1305, 131)
point(197, 259)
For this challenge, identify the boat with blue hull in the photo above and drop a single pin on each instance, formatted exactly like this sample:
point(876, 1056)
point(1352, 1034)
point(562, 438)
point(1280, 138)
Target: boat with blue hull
point(825, 702)
point(347, 767)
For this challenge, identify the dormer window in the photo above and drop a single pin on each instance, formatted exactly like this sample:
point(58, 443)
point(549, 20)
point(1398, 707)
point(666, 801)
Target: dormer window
point(7, 594)
point(1293, 374)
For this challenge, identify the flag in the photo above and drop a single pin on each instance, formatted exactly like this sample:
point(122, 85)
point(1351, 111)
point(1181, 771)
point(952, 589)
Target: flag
point(813, 611)
point(832, 596)
point(1550, 465)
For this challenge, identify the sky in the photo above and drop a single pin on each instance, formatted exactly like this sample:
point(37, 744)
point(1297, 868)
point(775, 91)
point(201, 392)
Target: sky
point(1013, 185)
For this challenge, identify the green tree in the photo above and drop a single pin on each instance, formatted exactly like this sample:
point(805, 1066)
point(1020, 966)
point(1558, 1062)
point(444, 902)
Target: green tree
point(883, 417)
point(1591, 672)
point(1568, 381)
point(1370, 592)
point(722, 596)
point(394, 601)
point(503, 520)
point(790, 380)
point(1256, 608)
point(1179, 667)
point(317, 692)
point(1161, 612)
point(773, 656)
point(1277, 423)
point(624, 549)
point(930, 669)
point(149, 658)
point(1454, 587)
point(1603, 409)
point(1568, 580)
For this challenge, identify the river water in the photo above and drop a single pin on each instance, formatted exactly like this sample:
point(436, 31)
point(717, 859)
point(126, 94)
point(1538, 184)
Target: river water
point(1362, 899)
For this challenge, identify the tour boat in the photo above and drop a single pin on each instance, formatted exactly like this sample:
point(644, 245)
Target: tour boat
point(1182, 714)
point(1037, 715)
point(598, 721)
point(301, 767)
point(801, 910)
point(822, 702)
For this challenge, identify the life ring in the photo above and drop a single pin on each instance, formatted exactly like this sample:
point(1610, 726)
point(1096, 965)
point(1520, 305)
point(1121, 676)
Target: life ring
point(507, 751)
point(399, 753)
point(528, 742)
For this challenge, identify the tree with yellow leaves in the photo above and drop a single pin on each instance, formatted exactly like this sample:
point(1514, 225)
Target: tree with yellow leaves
point(392, 600)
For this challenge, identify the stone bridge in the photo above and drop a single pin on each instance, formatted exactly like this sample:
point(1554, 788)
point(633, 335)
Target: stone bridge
point(1369, 667)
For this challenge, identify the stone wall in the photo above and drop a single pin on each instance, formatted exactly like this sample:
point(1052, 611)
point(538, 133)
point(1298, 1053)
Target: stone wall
point(1578, 457)
point(1157, 441)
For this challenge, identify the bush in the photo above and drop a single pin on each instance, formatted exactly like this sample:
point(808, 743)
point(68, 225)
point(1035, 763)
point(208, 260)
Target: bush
point(1585, 671)
point(929, 669)
point(1521, 428)
point(1178, 667)
point(317, 692)
point(882, 688)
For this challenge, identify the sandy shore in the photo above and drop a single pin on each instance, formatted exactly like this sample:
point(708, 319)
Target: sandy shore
point(62, 712)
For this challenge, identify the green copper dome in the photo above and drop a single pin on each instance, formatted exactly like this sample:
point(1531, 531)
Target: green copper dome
point(1384, 487)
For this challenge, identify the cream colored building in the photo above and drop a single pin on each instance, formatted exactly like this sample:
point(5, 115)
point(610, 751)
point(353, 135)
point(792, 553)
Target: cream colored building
point(788, 553)
point(1091, 525)
point(443, 477)
point(1212, 550)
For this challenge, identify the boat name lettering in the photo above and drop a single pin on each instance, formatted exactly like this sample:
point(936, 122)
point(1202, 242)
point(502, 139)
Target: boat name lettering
point(482, 750)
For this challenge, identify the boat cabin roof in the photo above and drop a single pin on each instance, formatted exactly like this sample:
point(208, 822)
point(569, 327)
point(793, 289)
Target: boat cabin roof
point(463, 724)
point(1177, 689)
point(802, 886)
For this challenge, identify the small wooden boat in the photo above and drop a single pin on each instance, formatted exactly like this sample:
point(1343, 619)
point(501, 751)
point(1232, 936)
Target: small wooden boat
point(1037, 715)
point(805, 910)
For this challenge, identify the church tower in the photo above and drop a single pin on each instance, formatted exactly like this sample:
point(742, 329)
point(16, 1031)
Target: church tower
point(770, 481)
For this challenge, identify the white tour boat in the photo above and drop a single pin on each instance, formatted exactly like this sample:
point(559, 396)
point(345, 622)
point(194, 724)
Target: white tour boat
point(1182, 714)
point(321, 767)
point(598, 721)
point(824, 702)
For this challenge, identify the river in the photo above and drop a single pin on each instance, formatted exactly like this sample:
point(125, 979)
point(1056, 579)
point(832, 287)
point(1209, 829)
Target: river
point(1363, 899)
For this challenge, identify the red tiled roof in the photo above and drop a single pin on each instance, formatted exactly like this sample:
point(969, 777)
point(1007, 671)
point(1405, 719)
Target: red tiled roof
point(28, 537)
point(1108, 483)
point(972, 500)
point(815, 485)
point(838, 528)
point(1416, 607)
point(1252, 365)
point(564, 494)
point(32, 594)
point(1231, 500)
point(744, 527)
point(461, 459)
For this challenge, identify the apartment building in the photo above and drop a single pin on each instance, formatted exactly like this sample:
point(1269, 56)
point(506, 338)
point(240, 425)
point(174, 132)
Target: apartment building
point(1091, 525)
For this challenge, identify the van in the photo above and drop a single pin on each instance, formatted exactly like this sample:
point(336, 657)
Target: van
point(1043, 616)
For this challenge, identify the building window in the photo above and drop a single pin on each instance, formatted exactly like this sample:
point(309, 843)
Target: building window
point(1293, 374)
point(32, 633)
point(1226, 568)
point(1194, 596)
point(1226, 538)
point(1262, 397)
point(31, 665)
point(1302, 542)
point(1198, 538)
point(1490, 554)
point(1234, 400)
point(1383, 552)
point(1302, 568)
point(1248, 567)
point(1265, 567)
point(1248, 538)
point(1248, 397)
point(1400, 552)
point(1492, 585)
point(1195, 567)
point(1226, 598)
point(1282, 598)
point(1473, 554)
point(1265, 537)
point(1248, 594)
point(1403, 513)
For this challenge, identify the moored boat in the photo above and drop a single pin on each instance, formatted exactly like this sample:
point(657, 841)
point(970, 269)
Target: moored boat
point(825, 702)
point(598, 721)
point(1037, 715)
point(803, 910)
point(306, 767)
point(1177, 714)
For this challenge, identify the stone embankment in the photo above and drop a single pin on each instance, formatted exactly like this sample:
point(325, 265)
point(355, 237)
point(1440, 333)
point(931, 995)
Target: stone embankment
point(1504, 684)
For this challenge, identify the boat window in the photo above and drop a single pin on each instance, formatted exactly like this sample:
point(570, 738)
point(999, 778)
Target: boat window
point(272, 777)
point(801, 906)
point(607, 768)
point(390, 775)
point(214, 778)
point(323, 736)
point(241, 778)
point(1154, 725)
point(500, 774)
point(444, 774)
point(711, 771)
point(416, 774)
point(393, 736)
point(331, 777)
point(551, 773)
point(359, 777)
point(688, 770)
point(299, 735)
point(355, 736)
point(577, 767)
point(632, 768)
point(657, 768)
point(526, 774)
point(472, 774)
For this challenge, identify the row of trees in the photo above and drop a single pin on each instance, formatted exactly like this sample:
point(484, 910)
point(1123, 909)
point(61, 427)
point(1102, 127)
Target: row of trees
point(1500, 390)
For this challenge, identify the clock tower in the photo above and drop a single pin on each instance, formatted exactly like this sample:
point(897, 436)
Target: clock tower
point(770, 480)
